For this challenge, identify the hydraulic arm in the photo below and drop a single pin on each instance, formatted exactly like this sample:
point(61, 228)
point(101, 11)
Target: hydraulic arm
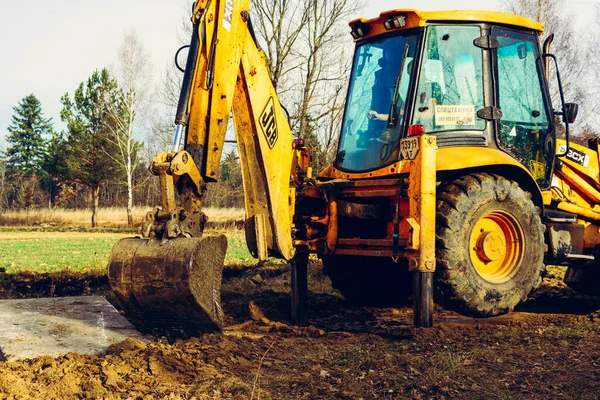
point(227, 74)
point(172, 274)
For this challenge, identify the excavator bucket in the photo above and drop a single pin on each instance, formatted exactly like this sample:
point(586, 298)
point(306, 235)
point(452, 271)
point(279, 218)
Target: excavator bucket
point(172, 285)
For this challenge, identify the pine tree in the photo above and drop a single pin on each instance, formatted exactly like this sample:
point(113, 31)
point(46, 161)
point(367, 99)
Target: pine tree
point(90, 122)
point(311, 140)
point(26, 137)
point(55, 166)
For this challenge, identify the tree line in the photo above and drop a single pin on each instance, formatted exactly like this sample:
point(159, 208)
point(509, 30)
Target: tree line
point(100, 159)
point(95, 162)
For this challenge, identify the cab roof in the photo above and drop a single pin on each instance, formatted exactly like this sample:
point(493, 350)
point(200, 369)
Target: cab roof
point(416, 18)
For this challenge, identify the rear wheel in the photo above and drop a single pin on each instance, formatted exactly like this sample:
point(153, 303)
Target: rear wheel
point(489, 245)
point(373, 281)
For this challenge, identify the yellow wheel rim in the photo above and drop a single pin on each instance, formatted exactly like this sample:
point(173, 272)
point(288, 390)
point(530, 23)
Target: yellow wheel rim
point(497, 246)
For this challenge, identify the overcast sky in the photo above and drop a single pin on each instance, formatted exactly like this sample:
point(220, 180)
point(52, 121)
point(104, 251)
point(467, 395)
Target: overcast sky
point(49, 47)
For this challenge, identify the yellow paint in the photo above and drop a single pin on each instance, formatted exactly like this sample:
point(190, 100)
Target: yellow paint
point(264, 162)
point(578, 182)
point(447, 159)
point(183, 164)
point(422, 204)
point(547, 197)
point(454, 158)
point(239, 83)
point(416, 19)
point(592, 170)
point(200, 97)
point(575, 189)
point(400, 167)
point(497, 246)
point(216, 97)
point(579, 210)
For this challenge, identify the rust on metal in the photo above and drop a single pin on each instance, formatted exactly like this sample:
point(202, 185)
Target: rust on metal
point(159, 224)
point(167, 185)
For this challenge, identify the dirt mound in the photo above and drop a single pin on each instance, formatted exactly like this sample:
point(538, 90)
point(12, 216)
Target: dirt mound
point(131, 369)
point(27, 285)
point(345, 352)
point(283, 362)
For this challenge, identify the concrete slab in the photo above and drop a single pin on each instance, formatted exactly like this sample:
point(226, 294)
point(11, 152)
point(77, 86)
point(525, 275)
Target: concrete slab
point(55, 326)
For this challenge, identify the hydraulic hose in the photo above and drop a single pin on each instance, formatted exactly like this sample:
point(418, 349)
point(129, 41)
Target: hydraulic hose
point(181, 116)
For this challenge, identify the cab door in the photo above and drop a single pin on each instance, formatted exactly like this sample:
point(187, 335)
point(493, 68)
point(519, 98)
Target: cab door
point(525, 125)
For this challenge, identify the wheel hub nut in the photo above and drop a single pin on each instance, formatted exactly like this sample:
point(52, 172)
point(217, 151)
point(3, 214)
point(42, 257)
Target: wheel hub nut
point(491, 246)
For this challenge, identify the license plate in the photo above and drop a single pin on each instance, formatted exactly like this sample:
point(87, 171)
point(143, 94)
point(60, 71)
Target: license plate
point(409, 148)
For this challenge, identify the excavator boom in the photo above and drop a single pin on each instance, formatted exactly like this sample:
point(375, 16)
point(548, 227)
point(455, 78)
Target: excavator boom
point(171, 277)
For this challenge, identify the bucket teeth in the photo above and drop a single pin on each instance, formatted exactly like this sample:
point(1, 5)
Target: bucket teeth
point(169, 286)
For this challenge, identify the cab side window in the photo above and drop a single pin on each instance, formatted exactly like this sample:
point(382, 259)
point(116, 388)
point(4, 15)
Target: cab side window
point(524, 124)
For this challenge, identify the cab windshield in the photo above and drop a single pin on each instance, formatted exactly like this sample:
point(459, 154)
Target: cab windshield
point(377, 95)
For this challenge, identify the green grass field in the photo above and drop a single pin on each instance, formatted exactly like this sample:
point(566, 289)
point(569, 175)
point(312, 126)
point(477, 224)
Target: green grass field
point(79, 251)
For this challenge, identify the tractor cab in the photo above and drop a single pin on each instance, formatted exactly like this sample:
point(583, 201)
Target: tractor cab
point(471, 78)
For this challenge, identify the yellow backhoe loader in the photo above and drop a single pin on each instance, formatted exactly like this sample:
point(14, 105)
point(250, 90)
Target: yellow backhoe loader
point(448, 174)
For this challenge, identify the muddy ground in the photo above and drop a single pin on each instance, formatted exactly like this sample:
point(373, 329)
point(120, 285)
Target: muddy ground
point(549, 348)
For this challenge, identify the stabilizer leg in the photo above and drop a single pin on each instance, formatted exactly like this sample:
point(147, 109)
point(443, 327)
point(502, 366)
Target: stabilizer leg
point(423, 303)
point(299, 286)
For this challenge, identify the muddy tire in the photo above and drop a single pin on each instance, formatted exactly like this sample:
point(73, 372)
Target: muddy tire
point(489, 245)
point(370, 281)
point(584, 281)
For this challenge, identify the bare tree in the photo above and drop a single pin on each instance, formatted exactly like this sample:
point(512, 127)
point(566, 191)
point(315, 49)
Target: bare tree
point(331, 118)
point(593, 67)
point(586, 134)
point(133, 74)
point(279, 24)
point(322, 33)
point(166, 93)
point(3, 181)
point(306, 43)
point(165, 99)
point(325, 69)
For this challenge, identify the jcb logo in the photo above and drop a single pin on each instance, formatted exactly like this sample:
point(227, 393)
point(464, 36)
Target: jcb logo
point(575, 156)
point(579, 158)
point(228, 15)
point(268, 123)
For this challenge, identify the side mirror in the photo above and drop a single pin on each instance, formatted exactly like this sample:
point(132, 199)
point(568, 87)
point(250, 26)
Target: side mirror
point(571, 110)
